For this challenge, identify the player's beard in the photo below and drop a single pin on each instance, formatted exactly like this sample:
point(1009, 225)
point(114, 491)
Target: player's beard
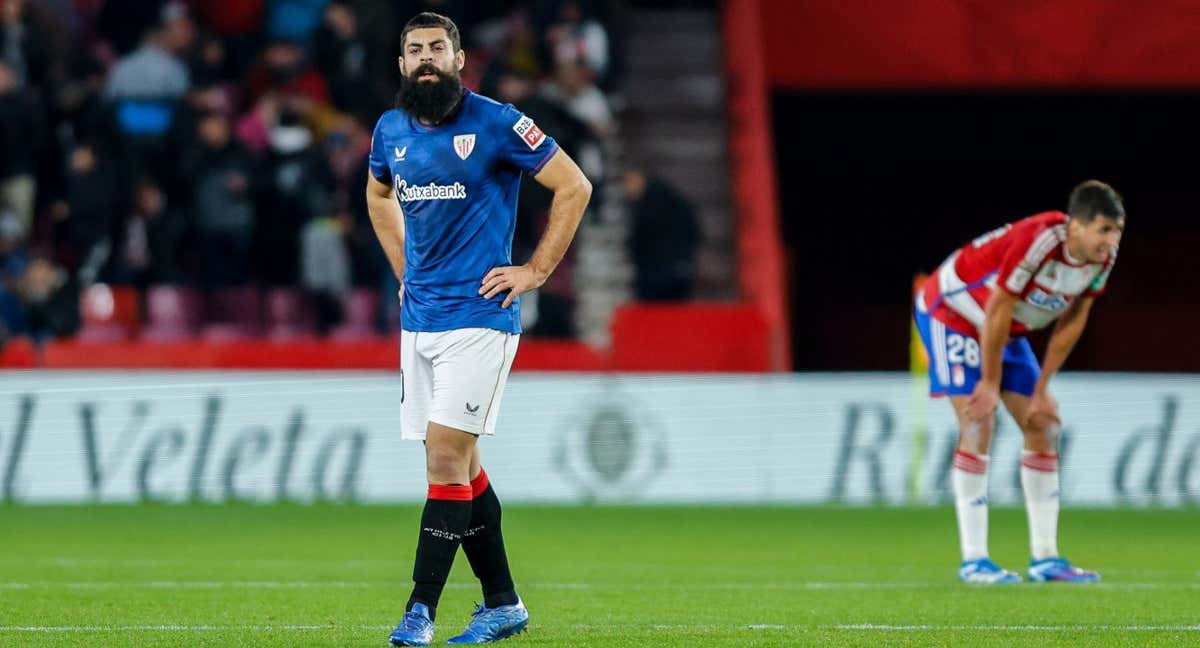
point(429, 101)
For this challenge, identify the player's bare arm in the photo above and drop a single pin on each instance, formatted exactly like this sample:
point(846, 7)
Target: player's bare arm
point(1067, 331)
point(572, 190)
point(388, 221)
point(994, 333)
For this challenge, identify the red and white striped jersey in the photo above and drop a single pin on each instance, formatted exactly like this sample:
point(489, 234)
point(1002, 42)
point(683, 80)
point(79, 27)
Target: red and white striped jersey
point(1028, 259)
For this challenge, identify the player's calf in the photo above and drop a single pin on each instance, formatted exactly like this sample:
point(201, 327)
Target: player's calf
point(969, 480)
point(1039, 481)
point(483, 543)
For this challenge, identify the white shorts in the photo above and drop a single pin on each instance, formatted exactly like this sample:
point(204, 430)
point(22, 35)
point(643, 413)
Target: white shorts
point(453, 378)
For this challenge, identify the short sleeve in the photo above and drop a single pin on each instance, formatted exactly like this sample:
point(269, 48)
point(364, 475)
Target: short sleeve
point(378, 158)
point(1025, 253)
point(521, 142)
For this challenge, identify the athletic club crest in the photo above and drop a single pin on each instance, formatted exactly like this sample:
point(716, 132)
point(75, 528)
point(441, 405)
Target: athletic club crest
point(464, 144)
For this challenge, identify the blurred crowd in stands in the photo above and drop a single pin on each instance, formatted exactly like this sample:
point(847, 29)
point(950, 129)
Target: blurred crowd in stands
point(177, 170)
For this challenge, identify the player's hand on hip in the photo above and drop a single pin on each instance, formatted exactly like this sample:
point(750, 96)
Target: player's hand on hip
point(514, 279)
point(983, 401)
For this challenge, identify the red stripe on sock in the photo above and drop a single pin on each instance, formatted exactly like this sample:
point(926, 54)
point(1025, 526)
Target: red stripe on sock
point(1042, 461)
point(452, 492)
point(480, 483)
point(967, 462)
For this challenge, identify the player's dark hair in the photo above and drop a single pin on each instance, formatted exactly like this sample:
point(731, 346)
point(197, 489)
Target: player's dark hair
point(430, 19)
point(1092, 198)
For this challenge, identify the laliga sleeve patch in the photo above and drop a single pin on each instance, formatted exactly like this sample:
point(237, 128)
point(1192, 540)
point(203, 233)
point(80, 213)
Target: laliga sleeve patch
point(529, 132)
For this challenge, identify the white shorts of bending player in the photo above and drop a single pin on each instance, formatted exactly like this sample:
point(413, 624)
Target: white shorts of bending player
point(453, 378)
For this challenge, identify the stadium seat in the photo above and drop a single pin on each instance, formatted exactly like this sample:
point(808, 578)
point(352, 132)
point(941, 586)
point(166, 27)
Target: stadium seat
point(171, 314)
point(109, 313)
point(359, 310)
point(289, 317)
point(232, 314)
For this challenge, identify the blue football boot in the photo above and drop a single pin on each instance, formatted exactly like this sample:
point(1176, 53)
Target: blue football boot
point(1060, 569)
point(985, 572)
point(493, 624)
point(415, 629)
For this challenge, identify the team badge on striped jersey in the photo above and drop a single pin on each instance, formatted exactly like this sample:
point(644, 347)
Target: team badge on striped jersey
point(464, 144)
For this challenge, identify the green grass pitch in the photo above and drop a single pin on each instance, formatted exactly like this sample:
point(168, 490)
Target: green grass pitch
point(328, 575)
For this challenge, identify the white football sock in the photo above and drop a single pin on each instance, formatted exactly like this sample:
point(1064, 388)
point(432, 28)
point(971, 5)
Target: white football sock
point(1039, 480)
point(969, 478)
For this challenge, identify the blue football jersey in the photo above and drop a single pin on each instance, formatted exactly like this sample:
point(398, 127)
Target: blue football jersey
point(457, 186)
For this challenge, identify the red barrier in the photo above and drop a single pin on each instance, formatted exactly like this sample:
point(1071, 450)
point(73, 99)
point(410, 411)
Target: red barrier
point(691, 337)
point(980, 43)
point(380, 353)
point(559, 355)
point(752, 164)
point(663, 338)
point(374, 354)
point(18, 354)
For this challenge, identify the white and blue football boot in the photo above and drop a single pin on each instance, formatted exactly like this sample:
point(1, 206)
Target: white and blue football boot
point(1060, 569)
point(985, 572)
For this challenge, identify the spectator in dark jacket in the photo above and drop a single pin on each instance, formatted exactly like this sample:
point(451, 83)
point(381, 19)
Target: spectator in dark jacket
point(147, 248)
point(663, 240)
point(23, 48)
point(223, 210)
point(13, 260)
point(51, 299)
point(341, 55)
point(296, 188)
point(20, 134)
point(88, 216)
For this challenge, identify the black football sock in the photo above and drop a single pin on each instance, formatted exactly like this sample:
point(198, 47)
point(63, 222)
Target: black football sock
point(484, 545)
point(443, 523)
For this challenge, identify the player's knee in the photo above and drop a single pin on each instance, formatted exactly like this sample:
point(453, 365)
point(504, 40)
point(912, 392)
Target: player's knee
point(975, 437)
point(447, 464)
point(1041, 436)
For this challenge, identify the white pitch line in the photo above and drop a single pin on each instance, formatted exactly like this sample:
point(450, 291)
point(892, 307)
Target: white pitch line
point(1017, 628)
point(832, 585)
point(66, 561)
point(311, 628)
point(800, 585)
point(185, 628)
point(869, 627)
point(192, 585)
point(183, 585)
point(793, 586)
point(841, 585)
